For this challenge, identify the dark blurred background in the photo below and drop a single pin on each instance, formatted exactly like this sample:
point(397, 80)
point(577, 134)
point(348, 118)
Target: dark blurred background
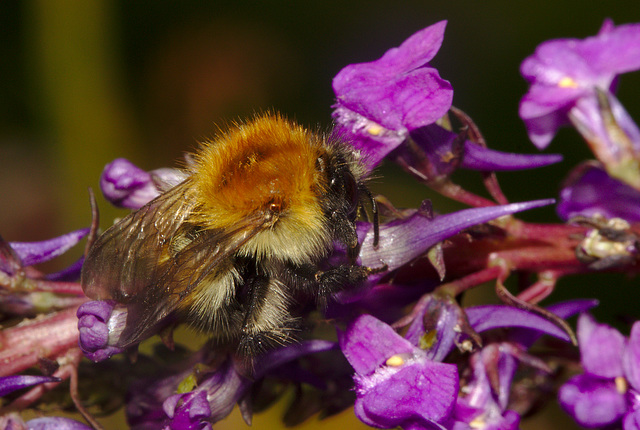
point(82, 83)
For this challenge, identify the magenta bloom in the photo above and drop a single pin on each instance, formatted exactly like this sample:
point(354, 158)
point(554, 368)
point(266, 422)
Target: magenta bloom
point(402, 383)
point(32, 253)
point(381, 101)
point(483, 405)
point(156, 404)
point(396, 384)
point(381, 104)
point(590, 191)
point(8, 384)
point(564, 73)
point(126, 185)
point(402, 241)
point(608, 392)
point(100, 324)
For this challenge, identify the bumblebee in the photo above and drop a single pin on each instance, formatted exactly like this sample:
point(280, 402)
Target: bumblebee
point(230, 248)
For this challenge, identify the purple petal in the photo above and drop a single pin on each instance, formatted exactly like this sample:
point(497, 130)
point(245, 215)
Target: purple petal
point(402, 242)
point(188, 411)
point(477, 157)
point(601, 347)
point(631, 421)
point(606, 137)
point(527, 337)
point(397, 103)
point(56, 423)
point(399, 91)
point(126, 185)
point(368, 343)
point(631, 357)
point(591, 401)
point(488, 317)
point(38, 252)
point(572, 307)
point(9, 384)
point(438, 145)
point(99, 325)
point(542, 129)
point(224, 388)
point(417, 50)
point(614, 51)
point(482, 402)
point(565, 70)
point(556, 60)
point(422, 391)
point(544, 110)
point(509, 420)
point(68, 274)
point(441, 317)
point(415, 389)
point(590, 191)
point(372, 141)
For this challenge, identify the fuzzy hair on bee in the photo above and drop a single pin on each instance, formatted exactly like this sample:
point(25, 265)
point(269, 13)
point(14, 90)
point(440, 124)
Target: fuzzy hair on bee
point(232, 247)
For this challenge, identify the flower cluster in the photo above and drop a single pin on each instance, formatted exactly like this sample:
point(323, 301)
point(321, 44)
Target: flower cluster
point(608, 392)
point(409, 352)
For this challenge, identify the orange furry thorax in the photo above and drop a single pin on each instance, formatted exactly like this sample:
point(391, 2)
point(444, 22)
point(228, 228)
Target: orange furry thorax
point(263, 164)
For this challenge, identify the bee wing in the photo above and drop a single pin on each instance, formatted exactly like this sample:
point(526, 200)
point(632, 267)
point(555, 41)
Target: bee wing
point(133, 263)
point(124, 258)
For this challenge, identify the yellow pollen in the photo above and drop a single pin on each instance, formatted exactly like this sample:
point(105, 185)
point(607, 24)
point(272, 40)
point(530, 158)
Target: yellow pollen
point(621, 384)
point(478, 423)
point(395, 361)
point(567, 82)
point(374, 130)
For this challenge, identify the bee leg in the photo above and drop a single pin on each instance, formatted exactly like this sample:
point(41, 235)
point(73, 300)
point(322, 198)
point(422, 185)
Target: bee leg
point(341, 277)
point(323, 283)
point(345, 232)
point(267, 320)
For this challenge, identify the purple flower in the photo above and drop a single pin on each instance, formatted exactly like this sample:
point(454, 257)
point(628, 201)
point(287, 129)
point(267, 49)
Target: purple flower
point(100, 324)
point(402, 241)
point(188, 411)
point(488, 317)
point(479, 405)
point(31, 253)
point(13, 421)
point(204, 398)
point(438, 324)
point(126, 185)
point(565, 72)
point(9, 384)
point(56, 423)
point(608, 391)
point(396, 384)
point(192, 399)
point(438, 152)
point(380, 102)
point(589, 191)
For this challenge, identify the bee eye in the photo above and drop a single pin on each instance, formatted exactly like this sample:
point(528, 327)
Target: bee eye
point(351, 192)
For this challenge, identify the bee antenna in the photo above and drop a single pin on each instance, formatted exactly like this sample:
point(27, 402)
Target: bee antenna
point(376, 218)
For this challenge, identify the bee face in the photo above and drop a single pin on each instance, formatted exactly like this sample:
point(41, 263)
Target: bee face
point(230, 248)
